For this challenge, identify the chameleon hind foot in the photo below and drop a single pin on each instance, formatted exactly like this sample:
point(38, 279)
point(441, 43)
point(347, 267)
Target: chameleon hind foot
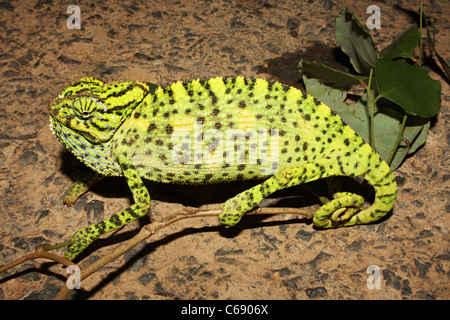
point(233, 209)
point(341, 211)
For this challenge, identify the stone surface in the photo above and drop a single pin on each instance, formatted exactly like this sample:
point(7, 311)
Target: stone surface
point(262, 258)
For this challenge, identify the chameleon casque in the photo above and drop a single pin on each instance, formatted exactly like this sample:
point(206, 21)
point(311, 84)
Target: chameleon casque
point(209, 131)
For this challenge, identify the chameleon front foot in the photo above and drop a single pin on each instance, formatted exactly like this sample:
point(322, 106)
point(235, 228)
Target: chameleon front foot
point(79, 241)
point(81, 186)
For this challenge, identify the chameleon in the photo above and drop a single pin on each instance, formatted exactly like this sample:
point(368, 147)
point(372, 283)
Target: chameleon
point(213, 130)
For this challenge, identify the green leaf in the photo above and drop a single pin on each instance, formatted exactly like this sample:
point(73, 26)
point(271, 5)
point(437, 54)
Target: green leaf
point(387, 127)
point(387, 120)
point(355, 42)
point(421, 137)
point(336, 78)
point(325, 93)
point(403, 45)
point(408, 86)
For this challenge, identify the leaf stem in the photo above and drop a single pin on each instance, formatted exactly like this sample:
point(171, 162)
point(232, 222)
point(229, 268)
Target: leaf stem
point(421, 37)
point(399, 138)
point(372, 111)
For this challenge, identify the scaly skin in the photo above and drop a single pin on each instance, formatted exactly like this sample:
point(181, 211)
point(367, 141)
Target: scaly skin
point(210, 131)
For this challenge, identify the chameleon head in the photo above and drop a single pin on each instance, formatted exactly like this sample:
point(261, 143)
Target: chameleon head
point(95, 110)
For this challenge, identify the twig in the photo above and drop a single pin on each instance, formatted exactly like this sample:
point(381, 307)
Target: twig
point(145, 233)
point(150, 229)
point(39, 253)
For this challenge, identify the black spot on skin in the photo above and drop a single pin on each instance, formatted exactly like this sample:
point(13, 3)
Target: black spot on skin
point(213, 98)
point(169, 129)
point(151, 127)
point(305, 146)
point(242, 104)
point(346, 142)
point(201, 119)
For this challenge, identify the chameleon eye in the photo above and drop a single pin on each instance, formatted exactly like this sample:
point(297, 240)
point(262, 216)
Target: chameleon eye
point(83, 108)
point(85, 115)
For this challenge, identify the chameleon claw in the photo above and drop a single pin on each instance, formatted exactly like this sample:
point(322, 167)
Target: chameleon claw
point(337, 216)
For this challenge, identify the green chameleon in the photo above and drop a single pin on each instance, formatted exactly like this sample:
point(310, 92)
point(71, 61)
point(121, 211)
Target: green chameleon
point(209, 131)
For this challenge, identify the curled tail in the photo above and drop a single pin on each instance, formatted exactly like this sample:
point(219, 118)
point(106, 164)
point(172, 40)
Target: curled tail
point(343, 210)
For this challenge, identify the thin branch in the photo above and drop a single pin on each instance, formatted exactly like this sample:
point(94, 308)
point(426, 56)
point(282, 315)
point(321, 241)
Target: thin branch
point(146, 232)
point(39, 253)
